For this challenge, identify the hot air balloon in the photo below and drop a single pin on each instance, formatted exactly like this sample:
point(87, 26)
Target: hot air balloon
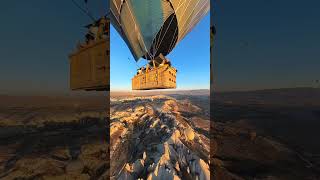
point(89, 62)
point(151, 30)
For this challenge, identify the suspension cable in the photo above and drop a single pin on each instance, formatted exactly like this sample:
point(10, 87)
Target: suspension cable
point(85, 11)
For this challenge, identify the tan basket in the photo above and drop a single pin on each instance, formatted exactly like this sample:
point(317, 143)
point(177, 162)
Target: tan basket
point(162, 77)
point(89, 67)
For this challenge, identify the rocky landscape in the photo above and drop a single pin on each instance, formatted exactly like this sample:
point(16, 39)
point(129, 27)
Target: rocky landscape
point(158, 137)
point(251, 135)
point(53, 137)
point(267, 134)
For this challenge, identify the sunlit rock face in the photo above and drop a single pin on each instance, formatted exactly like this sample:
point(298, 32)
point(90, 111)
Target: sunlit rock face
point(154, 138)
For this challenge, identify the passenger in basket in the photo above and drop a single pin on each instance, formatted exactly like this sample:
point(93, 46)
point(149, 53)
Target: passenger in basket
point(165, 61)
point(93, 31)
point(147, 68)
point(102, 28)
point(139, 71)
point(89, 38)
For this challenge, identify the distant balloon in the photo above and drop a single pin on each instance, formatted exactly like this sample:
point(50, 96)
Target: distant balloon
point(151, 28)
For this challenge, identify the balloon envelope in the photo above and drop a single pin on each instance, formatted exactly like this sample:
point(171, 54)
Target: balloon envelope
point(154, 27)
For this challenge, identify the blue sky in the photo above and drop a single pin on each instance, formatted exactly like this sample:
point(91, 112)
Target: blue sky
point(36, 38)
point(266, 44)
point(191, 57)
point(259, 44)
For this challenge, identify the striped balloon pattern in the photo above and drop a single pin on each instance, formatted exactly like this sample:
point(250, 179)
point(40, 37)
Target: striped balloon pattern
point(154, 27)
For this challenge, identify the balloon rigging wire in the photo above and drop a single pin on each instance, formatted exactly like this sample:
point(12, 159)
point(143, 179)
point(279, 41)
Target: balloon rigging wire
point(175, 38)
point(179, 5)
point(171, 22)
point(157, 41)
point(85, 11)
point(184, 11)
point(139, 32)
point(164, 34)
point(192, 20)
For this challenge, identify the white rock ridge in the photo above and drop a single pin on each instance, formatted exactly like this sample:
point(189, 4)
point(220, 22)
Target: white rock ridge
point(159, 141)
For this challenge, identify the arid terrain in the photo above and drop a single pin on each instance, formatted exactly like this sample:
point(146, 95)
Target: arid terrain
point(162, 136)
point(53, 137)
point(267, 134)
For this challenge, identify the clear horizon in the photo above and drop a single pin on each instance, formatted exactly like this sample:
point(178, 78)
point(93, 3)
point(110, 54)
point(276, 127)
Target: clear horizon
point(254, 47)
